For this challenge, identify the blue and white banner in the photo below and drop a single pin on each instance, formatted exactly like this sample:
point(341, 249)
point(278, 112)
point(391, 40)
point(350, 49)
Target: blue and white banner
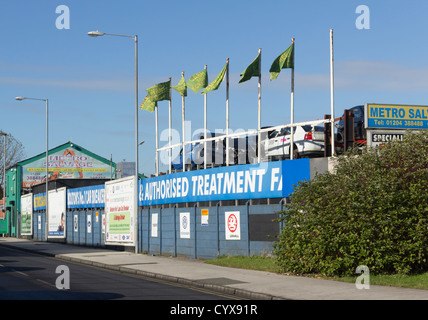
point(87, 197)
point(252, 181)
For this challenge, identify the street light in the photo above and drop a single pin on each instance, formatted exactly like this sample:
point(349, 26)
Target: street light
point(95, 34)
point(47, 156)
point(3, 134)
point(99, 34)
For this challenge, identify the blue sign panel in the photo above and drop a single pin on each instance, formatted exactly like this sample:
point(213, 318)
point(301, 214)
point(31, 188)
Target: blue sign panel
point(87, 197)
point(253, 181)
point(396, 116)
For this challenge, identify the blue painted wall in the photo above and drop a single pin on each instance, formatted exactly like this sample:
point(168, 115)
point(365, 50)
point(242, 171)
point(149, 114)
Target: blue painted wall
point(206, 241)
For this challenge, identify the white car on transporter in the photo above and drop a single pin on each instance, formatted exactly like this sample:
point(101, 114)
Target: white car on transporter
point(308, 142)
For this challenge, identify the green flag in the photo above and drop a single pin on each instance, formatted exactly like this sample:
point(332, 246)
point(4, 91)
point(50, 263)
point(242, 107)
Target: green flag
point(284, 61)
point(198, 81)
point(181, 87)
point(148, 104)
point(253, 70)
point(160, 92)
point(217, 81)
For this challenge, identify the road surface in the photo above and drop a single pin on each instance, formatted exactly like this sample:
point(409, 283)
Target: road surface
point(27, 276)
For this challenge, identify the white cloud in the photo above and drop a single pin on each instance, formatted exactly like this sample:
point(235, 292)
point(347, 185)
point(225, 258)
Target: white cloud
point(363, 75)
point(356, 75)
point(86, 84)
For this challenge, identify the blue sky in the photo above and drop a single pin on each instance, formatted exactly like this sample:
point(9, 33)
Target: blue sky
point(90, 81)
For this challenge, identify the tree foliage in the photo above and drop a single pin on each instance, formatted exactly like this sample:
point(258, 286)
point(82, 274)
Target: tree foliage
point(14, 153)
point(373, 211)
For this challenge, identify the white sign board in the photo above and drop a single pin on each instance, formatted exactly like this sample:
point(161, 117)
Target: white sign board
point(204, 217)
point(377, 138)
point(232, 225)
point(185, 225)
point(56, 213)
point(121, 211)
point(89, 223)
point(154, 225)
point(76, 223)
point(103, 228)
point(27, 214)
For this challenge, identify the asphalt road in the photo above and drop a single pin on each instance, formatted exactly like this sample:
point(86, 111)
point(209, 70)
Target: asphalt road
point(26, 276)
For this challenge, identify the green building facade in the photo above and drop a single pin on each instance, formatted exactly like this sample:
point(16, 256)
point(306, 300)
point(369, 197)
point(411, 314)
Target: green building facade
point(66, 162)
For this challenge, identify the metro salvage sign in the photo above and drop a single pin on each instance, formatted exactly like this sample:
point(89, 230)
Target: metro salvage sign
point(382, 116)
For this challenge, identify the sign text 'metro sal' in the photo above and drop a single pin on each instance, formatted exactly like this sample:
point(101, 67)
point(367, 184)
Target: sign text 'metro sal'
point(396, 116)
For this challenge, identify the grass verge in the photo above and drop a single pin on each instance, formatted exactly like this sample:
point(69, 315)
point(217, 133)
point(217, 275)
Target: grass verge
point(417, 281)
point(246, 262)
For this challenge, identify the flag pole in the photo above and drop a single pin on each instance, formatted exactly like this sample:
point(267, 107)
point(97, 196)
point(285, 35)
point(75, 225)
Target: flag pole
point(205, 127)
point(333, 151)
point(227, 112)
point(259, 108)
point(291, 148)
point(170, 130)
point(183, 128)
point(157, 141)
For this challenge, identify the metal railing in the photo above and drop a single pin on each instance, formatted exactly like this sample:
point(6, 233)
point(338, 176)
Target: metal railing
point(228, 136)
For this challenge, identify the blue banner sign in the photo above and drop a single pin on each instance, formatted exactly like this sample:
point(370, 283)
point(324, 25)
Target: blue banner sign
point(396, 116)
point(87, 197)
point(252, 181)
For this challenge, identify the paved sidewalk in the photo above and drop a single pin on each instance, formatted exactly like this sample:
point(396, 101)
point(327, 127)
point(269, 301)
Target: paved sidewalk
point(257, 285)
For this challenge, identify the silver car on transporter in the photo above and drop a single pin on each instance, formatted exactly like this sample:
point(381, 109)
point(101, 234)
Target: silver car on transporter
point(308, 141)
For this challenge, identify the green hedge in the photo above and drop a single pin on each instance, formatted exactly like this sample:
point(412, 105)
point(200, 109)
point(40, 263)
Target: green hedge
point(372, 211)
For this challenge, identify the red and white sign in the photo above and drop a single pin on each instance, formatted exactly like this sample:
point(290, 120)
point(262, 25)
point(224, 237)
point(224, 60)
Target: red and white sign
point(232, 225)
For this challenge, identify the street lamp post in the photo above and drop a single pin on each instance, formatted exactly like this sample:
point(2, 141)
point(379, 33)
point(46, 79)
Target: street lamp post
point(99, 34)
point(47, 155)
point(3, 134)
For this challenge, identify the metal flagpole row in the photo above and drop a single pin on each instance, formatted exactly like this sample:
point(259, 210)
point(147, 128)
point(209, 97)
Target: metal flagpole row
point(205, 127)
point(183, 128)
point(259, 130)
point(170, 129)
point(333, 149)
point(291, 148)
point(227, 112)
point(259, 112)
point(157, 139)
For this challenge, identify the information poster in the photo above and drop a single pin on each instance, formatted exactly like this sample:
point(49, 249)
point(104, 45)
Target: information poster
point(56, 213)
point(204, 217)
point(185, 225)
point(27, 214)
point(76, 223)
point(154, 227)
point(232, 225)
point(120, 211)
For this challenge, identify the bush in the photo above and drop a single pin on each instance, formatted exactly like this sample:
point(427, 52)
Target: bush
point(371, 211)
